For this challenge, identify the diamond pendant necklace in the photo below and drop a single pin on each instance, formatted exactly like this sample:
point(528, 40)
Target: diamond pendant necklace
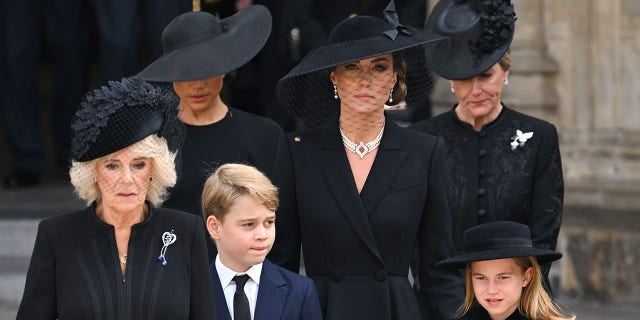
point(361, 149)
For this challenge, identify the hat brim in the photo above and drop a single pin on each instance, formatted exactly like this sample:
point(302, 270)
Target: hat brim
point(343, 52)
point(460, 261)
point(245, 33)
point(460, 63)
point(310, 78)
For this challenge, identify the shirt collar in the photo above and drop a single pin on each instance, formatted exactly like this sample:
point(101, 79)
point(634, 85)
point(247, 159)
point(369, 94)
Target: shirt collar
point(226, 275)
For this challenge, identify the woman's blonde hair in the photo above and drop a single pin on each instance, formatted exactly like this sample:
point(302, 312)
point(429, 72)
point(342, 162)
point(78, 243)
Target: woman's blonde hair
point(84, 178)
point(535, 302)
point(231, 181)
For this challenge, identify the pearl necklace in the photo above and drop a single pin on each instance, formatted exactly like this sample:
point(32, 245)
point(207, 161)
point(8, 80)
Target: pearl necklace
point(361, 149)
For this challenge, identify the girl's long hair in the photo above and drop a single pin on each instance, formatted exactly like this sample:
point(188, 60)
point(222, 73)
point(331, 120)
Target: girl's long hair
point(535, 302)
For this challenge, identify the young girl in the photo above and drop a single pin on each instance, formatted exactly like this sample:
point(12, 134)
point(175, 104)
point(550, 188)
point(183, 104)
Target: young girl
point(503, 277)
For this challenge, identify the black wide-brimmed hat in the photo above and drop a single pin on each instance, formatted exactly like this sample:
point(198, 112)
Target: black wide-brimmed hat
point(124, 112)
point(306, 91)
point(498, 240)
point(480, 30)
point(197, 45)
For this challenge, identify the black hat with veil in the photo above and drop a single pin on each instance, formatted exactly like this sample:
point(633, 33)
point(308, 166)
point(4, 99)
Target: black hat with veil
point(307, 93)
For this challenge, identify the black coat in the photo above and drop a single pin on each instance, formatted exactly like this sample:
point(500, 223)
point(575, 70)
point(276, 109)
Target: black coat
point(489, 181)
point(479, 313)
point(75, 271)
point(358, 247)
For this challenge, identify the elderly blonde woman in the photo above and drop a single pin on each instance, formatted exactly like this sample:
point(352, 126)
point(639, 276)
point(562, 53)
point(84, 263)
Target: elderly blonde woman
point(122, 257)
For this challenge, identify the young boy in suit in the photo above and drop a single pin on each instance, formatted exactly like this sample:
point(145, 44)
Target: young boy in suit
point(238, 204)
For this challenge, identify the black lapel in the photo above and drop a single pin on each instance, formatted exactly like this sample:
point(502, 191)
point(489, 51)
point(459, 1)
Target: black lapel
point(336, 171)
point(388, 160)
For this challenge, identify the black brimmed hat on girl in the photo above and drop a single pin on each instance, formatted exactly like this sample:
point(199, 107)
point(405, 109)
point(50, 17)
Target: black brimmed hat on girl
point(197, 45)
point(481, 31)
point(122, 113)
point(498, 240)
point(307, 93)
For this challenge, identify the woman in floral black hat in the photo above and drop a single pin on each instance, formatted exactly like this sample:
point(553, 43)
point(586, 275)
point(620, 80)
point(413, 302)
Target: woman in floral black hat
point(122, 257)
point(503, 276)
point(361, 195)
point(502, 164)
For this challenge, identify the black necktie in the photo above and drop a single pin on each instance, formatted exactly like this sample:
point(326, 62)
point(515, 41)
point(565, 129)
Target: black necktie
point(240, 302)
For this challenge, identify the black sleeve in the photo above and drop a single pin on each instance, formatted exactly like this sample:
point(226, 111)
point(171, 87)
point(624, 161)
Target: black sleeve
point(39, 298)
point(286, 249)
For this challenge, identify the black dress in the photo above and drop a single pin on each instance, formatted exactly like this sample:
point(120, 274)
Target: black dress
point(489, 181)
point(75, 270)
point(239, 137)
point(358, 246)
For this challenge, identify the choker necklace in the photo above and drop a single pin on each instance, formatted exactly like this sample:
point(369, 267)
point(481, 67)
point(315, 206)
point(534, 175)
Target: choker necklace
point(361, 149)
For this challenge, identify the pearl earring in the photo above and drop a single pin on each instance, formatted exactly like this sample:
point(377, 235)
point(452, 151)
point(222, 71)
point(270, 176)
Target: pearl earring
point(506, 81)
point(453, 90)
point(335, 92)
point(391, 95)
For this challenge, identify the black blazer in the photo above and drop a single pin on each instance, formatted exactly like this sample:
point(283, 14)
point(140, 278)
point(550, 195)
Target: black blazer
point(358, 247)
point(281, 295)
point(75, 271)
point(489, 181)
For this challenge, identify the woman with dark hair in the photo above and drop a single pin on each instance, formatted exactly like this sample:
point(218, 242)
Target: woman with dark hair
point(122, 257)
point(199, 50)
point(502, 164)
point(361, 195)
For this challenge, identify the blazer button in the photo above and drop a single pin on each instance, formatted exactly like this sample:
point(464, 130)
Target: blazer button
point(482, 172)
point(482, 152)
point(335, 276)
point(381, 275)
point(482, 212)
point(481, 191)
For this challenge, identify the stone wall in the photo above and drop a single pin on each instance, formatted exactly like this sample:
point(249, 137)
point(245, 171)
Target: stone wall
point(576, 63)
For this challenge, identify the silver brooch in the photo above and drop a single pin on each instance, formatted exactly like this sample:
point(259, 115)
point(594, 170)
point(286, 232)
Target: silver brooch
point(520, 139)
point(168, 238)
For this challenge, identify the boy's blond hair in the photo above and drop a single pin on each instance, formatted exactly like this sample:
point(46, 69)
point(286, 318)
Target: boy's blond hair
point(231, 181)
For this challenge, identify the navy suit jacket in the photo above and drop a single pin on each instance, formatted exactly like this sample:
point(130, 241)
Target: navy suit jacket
point(282, 294)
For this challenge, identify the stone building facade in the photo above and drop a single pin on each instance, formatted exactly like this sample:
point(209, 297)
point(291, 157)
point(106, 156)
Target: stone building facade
point(576, 63)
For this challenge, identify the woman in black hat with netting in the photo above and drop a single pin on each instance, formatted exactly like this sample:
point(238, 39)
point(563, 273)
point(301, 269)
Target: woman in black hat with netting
point(502, 164)
point(361, 195)
point(122, 257)
point(503, 276)
point(199, 49)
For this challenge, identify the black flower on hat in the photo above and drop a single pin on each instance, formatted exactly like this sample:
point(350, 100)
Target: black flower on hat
point(497, 18)
point(122, 113)
point(480, 32)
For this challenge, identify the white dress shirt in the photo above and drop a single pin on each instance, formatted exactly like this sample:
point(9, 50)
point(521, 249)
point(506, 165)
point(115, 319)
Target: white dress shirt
point(229, 286)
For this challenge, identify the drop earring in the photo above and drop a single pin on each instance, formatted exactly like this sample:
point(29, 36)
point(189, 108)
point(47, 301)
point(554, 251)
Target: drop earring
point(391, 95)
point(335, 92)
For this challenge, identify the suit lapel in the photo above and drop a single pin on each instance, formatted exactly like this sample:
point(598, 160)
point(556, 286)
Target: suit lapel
point(388, 160)
point(337, 173)
point(272, 293)
point(222, 310)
